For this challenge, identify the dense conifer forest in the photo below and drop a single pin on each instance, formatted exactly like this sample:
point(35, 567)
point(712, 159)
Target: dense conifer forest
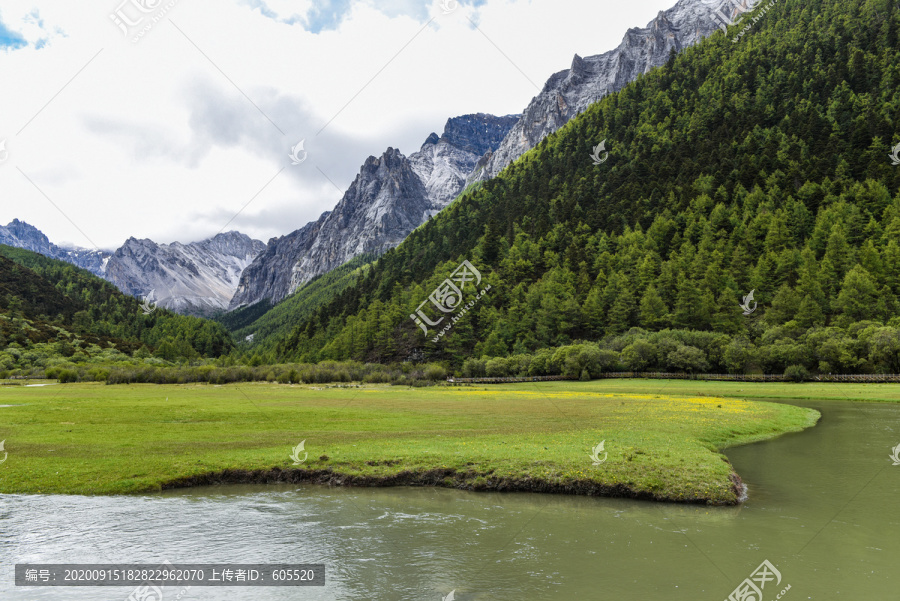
point(754, 166)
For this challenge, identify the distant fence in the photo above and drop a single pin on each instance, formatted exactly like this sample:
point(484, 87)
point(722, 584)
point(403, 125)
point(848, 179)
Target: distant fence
point(866, 378)
point(453, 381)
point(863, 378)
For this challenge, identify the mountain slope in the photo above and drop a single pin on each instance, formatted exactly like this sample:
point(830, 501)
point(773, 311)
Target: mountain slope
point(19, 234)
point(197, 278)
point(476, 147)
point(391, 196)
point(384, 203)
point(45, 300)
point(760, 165)
point(443, 163)
point(569, 92)
point(268, 277)
point(259, 327)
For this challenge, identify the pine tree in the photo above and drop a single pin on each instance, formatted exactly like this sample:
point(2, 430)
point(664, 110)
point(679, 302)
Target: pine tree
point(728, 317)
point(892, 266)
point(809, 313)
point(654, 315)
point(595, 311)
point(620, 316)
point(685, 313)
point(784, 307)
point(838, 255)
point(858, 299)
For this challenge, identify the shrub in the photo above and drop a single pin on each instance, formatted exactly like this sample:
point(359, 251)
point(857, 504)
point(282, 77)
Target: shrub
point(687, 358)
point(639, 355)
point(474, 368)
point(497, 368)
point(518, 365)
point(435, 371)
point(376, 377)
point(740, 355)
point(796, 373)
point(98, 374)
point(67, 375)
point(541, 363)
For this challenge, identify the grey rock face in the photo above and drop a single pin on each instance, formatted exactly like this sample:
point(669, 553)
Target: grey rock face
point(197, 278)
point(269, 276)
point(377, 214)
point(570, 92)
point(23, 235)
point(385, 202)
point(391, 196)
point(444, 162)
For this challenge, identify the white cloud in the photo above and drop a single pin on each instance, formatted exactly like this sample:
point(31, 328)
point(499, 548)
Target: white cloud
point(170, 137)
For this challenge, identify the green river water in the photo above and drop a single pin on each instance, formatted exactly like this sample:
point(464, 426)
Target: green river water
point(823, 509)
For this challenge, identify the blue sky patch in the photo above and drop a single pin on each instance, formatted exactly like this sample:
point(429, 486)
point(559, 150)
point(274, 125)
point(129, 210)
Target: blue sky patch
point(10, 39)
point(327, 15)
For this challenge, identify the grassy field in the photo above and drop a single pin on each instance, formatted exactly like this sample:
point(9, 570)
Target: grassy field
point(662, 437)
point(837, 391)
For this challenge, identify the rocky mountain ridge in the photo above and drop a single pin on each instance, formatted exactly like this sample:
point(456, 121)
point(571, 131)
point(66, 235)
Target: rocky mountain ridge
point(375, 215)
point(197, 278)
point(23, 235)
point(569, 92)
point(392, 195)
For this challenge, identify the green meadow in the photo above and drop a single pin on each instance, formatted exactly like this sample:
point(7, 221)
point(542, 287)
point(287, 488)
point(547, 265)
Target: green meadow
point(662, 439)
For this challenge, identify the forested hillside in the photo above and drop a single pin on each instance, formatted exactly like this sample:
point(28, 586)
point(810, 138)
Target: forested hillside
point(49, 308)
point(758, 165)
point(268, 324)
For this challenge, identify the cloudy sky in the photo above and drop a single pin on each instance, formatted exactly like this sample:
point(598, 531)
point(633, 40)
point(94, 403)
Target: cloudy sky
point(175, 119)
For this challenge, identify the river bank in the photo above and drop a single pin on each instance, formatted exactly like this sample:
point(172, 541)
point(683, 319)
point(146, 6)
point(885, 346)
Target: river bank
point(660, 443)
point(469, 480)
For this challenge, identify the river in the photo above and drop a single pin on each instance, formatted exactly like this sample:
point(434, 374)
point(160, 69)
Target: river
point(823, 509)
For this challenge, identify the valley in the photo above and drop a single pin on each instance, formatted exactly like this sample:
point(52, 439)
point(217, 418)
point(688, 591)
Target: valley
point(635, 337)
